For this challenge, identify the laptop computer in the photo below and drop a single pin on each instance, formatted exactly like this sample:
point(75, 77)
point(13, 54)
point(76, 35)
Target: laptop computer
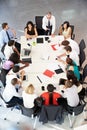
point(26, 52)
point(29, 60)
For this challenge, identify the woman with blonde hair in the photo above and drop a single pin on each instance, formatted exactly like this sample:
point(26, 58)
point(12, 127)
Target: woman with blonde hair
point(28, 96)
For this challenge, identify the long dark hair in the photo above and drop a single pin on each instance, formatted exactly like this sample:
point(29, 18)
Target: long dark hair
point(69, 61)
point(71, 76)
point(67, 23)
point(31, 23)
point(14, 58)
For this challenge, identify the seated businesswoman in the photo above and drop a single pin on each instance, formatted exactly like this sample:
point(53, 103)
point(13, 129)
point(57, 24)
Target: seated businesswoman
point(65, 30)
point(28, 96)
point(70, 95)
point(30, 30)
point(50, 97)
point(71, 65)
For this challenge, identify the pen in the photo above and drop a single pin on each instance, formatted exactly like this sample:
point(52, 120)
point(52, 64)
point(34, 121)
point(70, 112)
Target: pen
point(39, 79)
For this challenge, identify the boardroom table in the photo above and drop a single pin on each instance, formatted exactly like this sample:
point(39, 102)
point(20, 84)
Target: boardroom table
point(41, 71)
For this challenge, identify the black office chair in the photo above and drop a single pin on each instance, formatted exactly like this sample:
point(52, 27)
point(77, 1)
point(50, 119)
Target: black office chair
point(82, 44)
point(51, 113)
point(74, 112)
point(83, 92)
point(84, 73)
point(82, 58)
point(72, 35)
point(11, 107)
point(38, 22)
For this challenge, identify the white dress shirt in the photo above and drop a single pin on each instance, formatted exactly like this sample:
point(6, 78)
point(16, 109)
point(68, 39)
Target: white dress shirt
point(72, 96)
point(9, 92)
point(74, 56)
point(8, 51)
point(74, 45)
point(52, 23)
point(28, 99)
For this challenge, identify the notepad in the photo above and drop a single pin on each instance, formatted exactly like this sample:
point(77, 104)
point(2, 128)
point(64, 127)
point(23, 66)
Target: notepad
point(48, 73)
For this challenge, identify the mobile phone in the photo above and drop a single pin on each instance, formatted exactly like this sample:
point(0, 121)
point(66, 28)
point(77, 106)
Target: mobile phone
point(43, 88)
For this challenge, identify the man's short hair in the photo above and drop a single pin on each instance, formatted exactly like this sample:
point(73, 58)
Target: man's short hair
point(49, 13)
point(11, 43)
point(68, 48)
point(4, 25)
point(65, 43)
point(14, 81)
point(16, 69)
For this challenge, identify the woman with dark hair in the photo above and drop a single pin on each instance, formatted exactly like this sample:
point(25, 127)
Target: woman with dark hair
point(71, 76)
point(13, 59)
point(8, 64)
point(70, 96)
point(72, 66)
point(30, 30)
point(50, 97)
point(65, 30)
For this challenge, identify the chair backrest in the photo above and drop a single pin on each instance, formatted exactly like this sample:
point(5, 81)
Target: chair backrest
point(82, 57)
point(84, 72)
point(51, 113)
point(38, 21)
point(72, 35)
point(79, 109)
point(76, 110)
point(82, 45)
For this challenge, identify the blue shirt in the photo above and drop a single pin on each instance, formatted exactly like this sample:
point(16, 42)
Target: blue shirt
point(3, 38)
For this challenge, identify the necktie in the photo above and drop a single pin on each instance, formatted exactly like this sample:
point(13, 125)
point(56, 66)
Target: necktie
point(48, 23)
point(8, 36)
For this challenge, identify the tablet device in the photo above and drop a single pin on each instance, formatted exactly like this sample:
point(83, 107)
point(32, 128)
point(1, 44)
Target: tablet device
point(39, 40)
point(58, 71)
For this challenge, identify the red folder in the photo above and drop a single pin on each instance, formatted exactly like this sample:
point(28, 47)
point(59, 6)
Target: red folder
point(48, 73)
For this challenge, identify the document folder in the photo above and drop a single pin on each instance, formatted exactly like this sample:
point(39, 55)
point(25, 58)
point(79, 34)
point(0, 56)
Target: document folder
point(48, 73)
